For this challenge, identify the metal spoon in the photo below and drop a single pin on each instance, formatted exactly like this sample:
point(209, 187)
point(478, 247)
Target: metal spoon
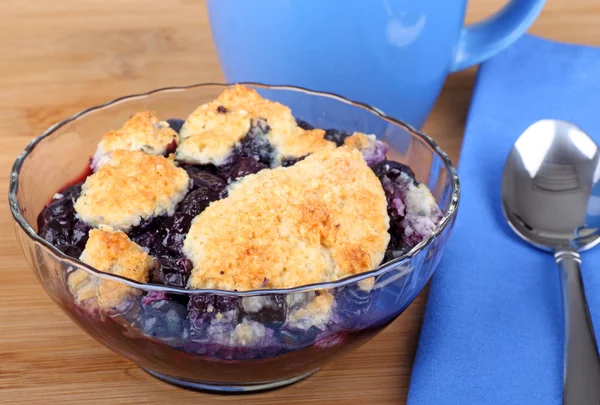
point(550, 201)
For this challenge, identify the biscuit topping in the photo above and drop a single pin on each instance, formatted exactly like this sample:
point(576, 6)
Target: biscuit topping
point(132, 186)
point(322, 219)
point(214, 130)
point(112, 252)
point(142, 132)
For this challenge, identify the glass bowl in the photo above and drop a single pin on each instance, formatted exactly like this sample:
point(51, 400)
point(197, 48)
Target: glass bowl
point(209, 344)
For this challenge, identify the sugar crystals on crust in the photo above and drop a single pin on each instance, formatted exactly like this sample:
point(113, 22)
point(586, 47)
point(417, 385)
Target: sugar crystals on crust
point(132, 186)
point(320, 220)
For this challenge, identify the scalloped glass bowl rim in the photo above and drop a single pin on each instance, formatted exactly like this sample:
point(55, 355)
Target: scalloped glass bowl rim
point(16, 212)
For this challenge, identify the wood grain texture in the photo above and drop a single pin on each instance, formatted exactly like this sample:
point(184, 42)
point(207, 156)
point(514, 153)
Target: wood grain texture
point(61, 56)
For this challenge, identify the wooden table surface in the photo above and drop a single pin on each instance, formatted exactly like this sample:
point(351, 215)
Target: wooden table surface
point(61, 56)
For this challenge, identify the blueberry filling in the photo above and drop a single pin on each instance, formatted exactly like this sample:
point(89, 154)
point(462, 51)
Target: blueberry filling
point(304, 125)
point(240, 167)
point(58, 223)
point(352, 306)
point(164, 319)
point(270, 311)
point(286, 162)
point(392, 170)
point(175, 124)
point(145, 233)
point(197, 200)
point(206, 309)
point(255, 144)
point(164, 236)
point(292, 339)
point(396, 247)
point(71, 250)
point(204, 176)
point(335, 136)
point(171, 148)
point(80, 233)
point(172, 272)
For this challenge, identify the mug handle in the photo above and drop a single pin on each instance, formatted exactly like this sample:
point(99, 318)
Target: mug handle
point(482, 40)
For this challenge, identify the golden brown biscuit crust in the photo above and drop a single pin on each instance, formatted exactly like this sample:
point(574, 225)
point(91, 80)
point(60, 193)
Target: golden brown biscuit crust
point(320, 220)
point(111, 252)
point(144, 131)
point(211, 132)
point(132, 186)
point(359, 140)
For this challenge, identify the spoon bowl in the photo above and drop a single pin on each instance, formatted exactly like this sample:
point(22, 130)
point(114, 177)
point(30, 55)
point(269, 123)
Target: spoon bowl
point(551, 199)
point(548, 184)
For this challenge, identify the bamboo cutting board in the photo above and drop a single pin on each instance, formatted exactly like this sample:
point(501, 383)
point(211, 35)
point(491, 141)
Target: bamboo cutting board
point(61, 56)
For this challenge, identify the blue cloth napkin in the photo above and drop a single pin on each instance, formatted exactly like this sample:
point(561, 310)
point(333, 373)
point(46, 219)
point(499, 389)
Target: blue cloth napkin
point(492, 332)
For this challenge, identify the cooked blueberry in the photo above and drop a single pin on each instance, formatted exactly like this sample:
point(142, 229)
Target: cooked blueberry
point(198, 309)
point(200, 177)
point(268, 310)
point(153, 296)
point(392, 169)
point(222, 110)
point(293, 339)
point(391, 254)
point(414, 236)
point(197, 200)
point(396, 188)
point(150, 234)
point(131, 310)
point(204, 308)
point(255, 144)
point(375, 154)
point(173, 279)
point(59, 208)
point(147, 240)
point(259, 127)
point(57, 232)
point(41, 220)
point(226, 303)
point(144, 226)
point(396, 247)
point(145, 233)
point(241, 167)
point(191, 168)
point(171, 233)
point(182, 222)
point(171, 271)
point(338, 137)
point(70, 250)
point(164, 319)
point(73, 192)
point(304, 125)
point(80, 233)
point(171, 148)
point(285, 162)
point(351, 306)
point(175, 124)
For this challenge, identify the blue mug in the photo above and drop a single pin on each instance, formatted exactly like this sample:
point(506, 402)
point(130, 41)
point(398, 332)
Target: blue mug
point(392, 54)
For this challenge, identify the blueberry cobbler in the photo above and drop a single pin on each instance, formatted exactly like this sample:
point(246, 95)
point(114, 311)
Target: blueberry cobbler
point(239, 196)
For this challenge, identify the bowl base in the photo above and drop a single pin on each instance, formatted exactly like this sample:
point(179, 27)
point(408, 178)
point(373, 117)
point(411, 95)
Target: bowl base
point(228, 388)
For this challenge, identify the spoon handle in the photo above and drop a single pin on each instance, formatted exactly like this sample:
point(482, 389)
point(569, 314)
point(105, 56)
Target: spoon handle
point(582, 362)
